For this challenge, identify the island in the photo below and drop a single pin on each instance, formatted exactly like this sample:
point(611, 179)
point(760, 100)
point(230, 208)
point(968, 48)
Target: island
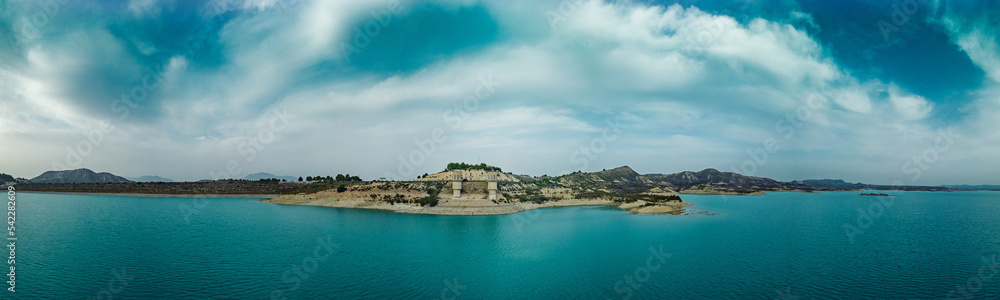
point(876, 194)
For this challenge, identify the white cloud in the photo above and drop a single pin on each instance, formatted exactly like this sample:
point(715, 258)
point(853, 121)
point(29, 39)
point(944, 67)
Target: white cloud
point(144, 8)
point(524, 120)
point(979, 41)
point(854, 99)
point(688, 84)
point(910, 107)
point(671, 66)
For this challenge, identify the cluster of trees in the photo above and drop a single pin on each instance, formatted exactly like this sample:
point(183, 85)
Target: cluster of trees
point(339, 177)
point(392, 199)
point(270, 180)
point(398, 198)
point(431, 199)
point(547, 182)
point(465, 166)
point(530, 195)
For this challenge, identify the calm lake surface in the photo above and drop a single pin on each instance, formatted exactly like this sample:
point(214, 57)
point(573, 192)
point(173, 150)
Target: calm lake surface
point(917, 245)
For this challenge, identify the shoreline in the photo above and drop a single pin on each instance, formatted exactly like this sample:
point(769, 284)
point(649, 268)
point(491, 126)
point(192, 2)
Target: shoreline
point(505, 209)
point(632, 208)
point(250, 196)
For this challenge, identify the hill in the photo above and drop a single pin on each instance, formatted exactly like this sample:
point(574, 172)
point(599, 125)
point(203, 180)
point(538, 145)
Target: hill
point(77, 176)
point(149, 178)
point(831, 183)
point(712, 180)
point(262, 175)
point(4, 178)
point(621, 177)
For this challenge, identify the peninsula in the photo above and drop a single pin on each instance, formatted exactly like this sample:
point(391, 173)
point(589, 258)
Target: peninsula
point(459, 189)
point(463, 189)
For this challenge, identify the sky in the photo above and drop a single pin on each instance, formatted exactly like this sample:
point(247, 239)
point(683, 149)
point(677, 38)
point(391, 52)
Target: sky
point(882, 92)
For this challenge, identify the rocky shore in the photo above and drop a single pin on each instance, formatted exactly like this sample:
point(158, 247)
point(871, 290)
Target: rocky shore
point(467, 209)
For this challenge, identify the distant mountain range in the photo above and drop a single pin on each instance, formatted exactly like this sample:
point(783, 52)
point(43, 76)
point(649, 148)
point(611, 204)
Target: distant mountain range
point(262, 175)
point(831, 183)
point(77, 176)
point(974, 187)
point(841, 184)
point(150, 178)
point(713, 181)
point(704, 181)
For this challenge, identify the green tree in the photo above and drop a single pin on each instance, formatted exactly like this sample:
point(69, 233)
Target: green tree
point(309, 178)
point(341, 188)
point(300, 178)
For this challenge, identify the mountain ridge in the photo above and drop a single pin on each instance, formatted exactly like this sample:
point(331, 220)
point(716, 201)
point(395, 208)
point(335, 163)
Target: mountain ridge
point(82, 175)
point(149, 178)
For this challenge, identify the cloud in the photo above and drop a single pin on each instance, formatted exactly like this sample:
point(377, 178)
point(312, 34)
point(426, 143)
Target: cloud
point(910, 107)
point(976, 36)
point(144, 8)
point(693, 88)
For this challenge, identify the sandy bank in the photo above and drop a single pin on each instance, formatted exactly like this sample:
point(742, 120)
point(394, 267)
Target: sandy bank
point(496, 209)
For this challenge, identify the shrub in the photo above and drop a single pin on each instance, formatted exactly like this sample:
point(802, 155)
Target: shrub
point(341, 188)
point(429, 200)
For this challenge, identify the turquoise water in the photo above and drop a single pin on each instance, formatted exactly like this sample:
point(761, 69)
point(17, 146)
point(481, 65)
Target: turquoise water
point(779, 246)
